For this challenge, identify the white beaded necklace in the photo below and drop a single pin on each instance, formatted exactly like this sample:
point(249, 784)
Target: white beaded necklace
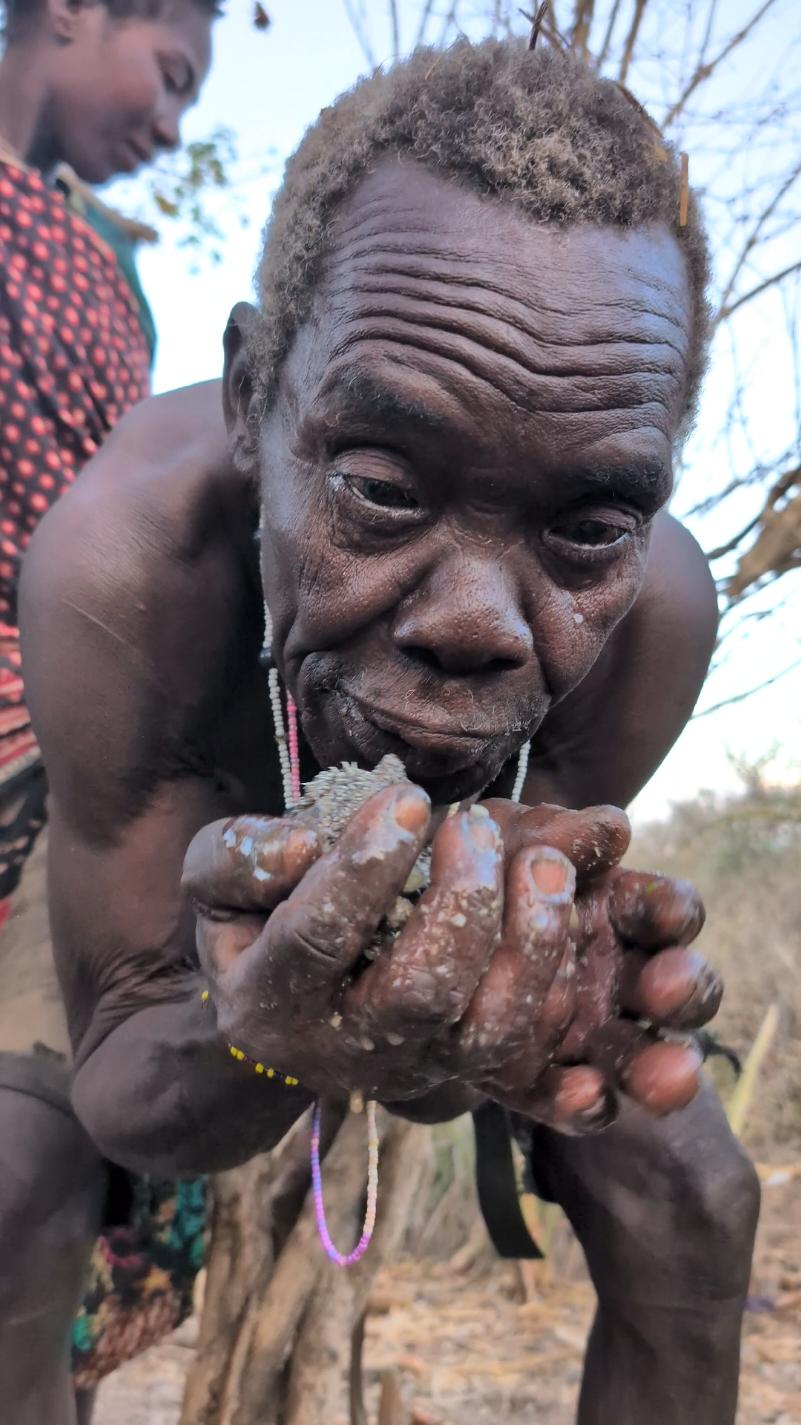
point(286, 742)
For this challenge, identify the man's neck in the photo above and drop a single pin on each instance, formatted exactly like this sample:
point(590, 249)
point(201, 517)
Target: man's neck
point(22, 106)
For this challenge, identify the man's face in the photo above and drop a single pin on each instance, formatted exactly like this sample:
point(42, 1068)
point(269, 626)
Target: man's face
point(472, 435)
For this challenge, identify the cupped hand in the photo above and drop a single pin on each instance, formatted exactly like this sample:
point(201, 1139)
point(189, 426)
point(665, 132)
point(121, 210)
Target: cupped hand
point(283, 930)
point(497, 982)
point(635, 978)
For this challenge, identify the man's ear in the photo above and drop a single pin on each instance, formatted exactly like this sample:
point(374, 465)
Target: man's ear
point(238, 408)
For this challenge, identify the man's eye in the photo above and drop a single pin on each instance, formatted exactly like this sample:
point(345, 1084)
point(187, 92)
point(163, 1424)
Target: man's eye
point(384, 493)
point(591, 533)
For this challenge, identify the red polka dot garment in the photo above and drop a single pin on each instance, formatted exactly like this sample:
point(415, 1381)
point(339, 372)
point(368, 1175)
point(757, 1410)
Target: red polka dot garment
point(73, 359)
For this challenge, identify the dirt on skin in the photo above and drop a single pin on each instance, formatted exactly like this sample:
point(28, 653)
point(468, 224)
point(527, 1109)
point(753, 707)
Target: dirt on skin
point(469, 1349)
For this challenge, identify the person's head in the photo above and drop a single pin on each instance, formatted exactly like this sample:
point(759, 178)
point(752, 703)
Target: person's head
point(481, 331)
point(116, 76)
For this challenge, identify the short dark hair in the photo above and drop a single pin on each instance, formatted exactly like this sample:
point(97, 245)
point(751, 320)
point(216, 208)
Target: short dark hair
point(538, 130)
point(19, 15)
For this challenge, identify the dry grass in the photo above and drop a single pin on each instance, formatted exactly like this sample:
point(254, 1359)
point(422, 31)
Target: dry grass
point(744, 854)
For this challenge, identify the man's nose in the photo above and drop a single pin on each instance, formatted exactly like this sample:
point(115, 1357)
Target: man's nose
point(465, 619)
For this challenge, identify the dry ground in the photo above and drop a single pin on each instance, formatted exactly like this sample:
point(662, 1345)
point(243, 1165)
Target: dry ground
point(469, 1350)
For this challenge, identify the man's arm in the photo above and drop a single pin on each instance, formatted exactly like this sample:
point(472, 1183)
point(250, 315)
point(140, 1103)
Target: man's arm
point(666, 1213)
point(111, 684)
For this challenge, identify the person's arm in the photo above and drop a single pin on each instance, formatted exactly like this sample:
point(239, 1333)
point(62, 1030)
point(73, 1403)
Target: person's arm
point(109, 682)
point(666, 1213)
point(154, 1084)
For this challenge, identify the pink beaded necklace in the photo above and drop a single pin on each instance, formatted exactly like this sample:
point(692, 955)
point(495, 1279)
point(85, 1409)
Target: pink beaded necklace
point(287, 742)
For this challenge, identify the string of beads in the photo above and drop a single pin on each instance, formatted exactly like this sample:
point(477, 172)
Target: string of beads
point(288, 748)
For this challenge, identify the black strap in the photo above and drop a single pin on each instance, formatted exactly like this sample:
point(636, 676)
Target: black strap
point(497, 1185)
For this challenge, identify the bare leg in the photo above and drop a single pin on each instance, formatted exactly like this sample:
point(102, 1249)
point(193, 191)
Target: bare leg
point(51, 1192)
point(666, 1212)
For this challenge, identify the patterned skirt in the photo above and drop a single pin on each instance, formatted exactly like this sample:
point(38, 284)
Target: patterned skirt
point(142, 1277)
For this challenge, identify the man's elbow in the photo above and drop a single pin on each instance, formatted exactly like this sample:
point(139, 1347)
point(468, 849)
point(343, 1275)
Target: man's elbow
point(150, 1128)
point(145, 1135)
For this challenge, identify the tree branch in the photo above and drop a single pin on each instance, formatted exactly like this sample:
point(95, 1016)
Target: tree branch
point(732, 544)
point(607, 40)
point(710, 21)
point(423, 25)
point(726, 312)
point(755, 235)
point(582, 23)
point(749, 693)
point(360, 32)
point(703, 71)
point(448, 21)
point(394, 20)
point(631, 39)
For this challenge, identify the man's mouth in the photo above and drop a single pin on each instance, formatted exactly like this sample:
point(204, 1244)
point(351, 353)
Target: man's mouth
point(426, 734)
point(429, 748)
point(453, 737)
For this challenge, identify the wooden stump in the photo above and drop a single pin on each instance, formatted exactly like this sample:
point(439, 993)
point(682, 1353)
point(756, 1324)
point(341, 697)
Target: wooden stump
point(279, 1319)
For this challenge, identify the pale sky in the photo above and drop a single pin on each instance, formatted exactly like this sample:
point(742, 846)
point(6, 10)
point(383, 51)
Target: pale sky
point(267, 88)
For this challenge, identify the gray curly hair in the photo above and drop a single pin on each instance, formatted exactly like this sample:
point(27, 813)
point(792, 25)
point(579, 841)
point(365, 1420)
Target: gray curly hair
point(536, 129)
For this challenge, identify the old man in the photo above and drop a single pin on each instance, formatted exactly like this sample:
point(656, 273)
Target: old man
point(441, 534)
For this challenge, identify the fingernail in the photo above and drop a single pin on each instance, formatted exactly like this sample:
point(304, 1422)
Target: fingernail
point(599, 1116)
point(411, 809)
point(702, 1003)
point(552, 875)
point(482, 830)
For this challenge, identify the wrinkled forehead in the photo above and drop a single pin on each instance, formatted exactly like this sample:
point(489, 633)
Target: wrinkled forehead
point(427, 285)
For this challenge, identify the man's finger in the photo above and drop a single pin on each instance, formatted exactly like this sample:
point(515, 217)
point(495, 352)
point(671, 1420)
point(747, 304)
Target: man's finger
point(660, 1076)
point(222, 939)
point(426, 981)
point(315, 937)
point(593, 839)
point(651, 911)
point(247, 863)
point(575, 1100)
point(663, 1077)
point(676, 988)
point(526, 996)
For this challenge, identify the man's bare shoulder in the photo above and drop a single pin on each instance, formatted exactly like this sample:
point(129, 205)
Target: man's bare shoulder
point(164, 478)
point(133, 597)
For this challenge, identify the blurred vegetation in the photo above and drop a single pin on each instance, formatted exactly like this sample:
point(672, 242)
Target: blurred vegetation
point(744, 854)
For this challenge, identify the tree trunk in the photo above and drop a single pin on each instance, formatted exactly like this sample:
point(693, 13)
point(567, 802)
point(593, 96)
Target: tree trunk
point(279, 1320)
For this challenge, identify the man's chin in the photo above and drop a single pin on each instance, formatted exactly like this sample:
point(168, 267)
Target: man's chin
point(449, 762)
point(443, 784)
point(461, 786)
